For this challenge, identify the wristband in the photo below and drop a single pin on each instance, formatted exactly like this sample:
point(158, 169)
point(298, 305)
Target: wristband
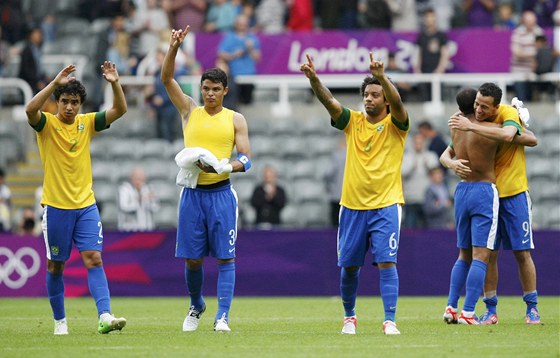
point(245, 160)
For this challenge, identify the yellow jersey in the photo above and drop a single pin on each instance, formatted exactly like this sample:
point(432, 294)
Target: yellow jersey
point(510, 167)
point(65, 153)
point(215, 133)
point(372, 173)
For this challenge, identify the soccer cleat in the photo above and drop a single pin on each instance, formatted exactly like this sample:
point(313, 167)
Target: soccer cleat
point(60, 327)
point(349, 326)
point(221, 325)
point(488, 318)
point(468, 318)
point(108, 323)
point(533, 317)
point(390, 328)
point(450, 315)
point(193, 318)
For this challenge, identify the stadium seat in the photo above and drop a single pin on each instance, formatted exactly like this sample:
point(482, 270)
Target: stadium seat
point(109, 215)
point(307, 190)
point(290, 217)
point(105, 192)
point(166, 191)
point(103, 171)
point(156, 149)
point(166, 217)
point(314, 214)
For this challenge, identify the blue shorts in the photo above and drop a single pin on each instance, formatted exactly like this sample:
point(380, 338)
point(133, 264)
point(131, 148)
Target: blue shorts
point(361, 230)
point(62, 228)
point(207, 223)
point(514, 223)
point(476, 214)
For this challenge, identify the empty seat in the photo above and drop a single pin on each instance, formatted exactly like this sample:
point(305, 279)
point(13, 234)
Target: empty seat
point(307, 190)
point(156, 149)
point(166, 217)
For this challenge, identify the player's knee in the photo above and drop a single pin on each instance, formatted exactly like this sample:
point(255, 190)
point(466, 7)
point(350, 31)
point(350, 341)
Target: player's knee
point(194, 264)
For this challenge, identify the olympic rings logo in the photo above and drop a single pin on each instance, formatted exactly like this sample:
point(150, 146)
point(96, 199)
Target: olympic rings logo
point(15, 263)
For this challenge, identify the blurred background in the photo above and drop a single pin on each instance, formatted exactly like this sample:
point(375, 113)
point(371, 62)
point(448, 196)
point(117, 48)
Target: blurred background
point(430, 48)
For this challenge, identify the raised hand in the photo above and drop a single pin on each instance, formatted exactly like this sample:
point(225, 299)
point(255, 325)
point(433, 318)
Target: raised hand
point(308, 68)
point(109, 71)
point(178, 36)
point(62, 78)
point(376, 68)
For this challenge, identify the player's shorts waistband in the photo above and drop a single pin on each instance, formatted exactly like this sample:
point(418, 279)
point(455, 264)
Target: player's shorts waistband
point(214, 185)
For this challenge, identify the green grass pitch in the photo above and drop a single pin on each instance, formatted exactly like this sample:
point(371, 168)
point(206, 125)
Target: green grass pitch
point(276, 327)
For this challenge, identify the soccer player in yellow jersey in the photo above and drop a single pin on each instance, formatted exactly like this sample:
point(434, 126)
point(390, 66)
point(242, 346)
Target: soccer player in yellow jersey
point(208, 213)
point(70, 212)
point(514, 223)
point(372, 195)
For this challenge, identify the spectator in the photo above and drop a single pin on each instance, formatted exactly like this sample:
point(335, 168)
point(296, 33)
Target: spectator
point(333, 179)
point(119, 46)
point(404, 15)
point(433, 53)
point(338, 14)
point(436, 142)
point(405, 88)
point(221, 16)
point(27, 225)
point(5, 204)
point(186, 12)
point(480, 13)
point(268, 199)
point(437, 202)
point(300, 16)
point(374, 14)
point(241, 50)
point(417, 163)
point(137, 201)
point(543, 10)
point(523, 52)
point(12, 21)
point(167, 117)
point(505, 19)
point(149, 27)
point(269, 15)
point(544, 63)
point(30, 68)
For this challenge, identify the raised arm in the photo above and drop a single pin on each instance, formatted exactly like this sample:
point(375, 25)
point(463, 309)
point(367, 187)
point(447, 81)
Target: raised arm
point(323, 94)
point(119, 107)
point(182, 102)
point(33, 108)
point(391, 93)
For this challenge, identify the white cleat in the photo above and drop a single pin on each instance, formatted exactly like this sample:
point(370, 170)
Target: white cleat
point(349, 326)
point(60, 327)
point(390, 328)
point(190, 323)
point(109, 323)
point(450, 315)
point(221, 325)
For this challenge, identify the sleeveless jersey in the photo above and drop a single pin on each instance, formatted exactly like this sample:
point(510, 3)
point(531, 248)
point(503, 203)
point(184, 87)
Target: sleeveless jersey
point(372, 173)
point(215, 133)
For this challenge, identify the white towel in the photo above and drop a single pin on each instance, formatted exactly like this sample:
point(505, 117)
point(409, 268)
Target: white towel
point(523, 112)
point(187, 158)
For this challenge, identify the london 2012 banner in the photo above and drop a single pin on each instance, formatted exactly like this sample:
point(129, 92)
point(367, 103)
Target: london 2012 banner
point(344, 52)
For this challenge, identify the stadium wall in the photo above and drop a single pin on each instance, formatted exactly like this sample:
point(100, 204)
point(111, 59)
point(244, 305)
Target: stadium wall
point(269, 263)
